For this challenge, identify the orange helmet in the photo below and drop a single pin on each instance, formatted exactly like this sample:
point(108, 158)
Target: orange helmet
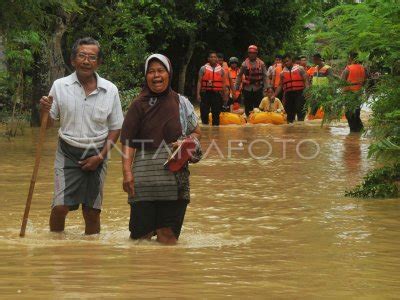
point(252, 48)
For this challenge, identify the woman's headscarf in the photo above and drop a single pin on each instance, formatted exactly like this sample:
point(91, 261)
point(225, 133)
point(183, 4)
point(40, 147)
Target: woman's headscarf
point(153, 115)
point(162, 58)
point(146, 92)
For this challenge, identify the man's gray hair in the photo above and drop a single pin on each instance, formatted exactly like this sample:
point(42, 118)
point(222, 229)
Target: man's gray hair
point(86, 41)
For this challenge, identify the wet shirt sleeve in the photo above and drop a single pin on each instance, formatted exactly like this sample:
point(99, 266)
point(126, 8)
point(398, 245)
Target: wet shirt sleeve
point(201, 72)
point(54, 110)
point(269, 71)
point(189, 119)
point(192, 122)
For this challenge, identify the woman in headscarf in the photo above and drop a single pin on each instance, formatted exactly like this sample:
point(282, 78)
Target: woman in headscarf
point(157, 123)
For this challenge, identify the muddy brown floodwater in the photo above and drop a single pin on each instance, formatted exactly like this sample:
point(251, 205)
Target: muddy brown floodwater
point(277, 227)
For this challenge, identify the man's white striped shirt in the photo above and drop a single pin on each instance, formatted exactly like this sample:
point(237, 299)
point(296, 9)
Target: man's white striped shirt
point(85, 121)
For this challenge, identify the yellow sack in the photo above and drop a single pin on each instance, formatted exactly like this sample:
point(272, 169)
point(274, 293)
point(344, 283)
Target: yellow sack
point(267, 118)
point(227, 118)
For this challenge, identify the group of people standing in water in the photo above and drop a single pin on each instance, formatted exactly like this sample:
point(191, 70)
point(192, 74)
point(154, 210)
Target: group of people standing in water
point(281, 88)
point(159, 134)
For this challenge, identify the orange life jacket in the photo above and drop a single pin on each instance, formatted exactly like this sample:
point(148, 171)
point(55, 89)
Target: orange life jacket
point(356, 77)
point(226, 71)
point(212, 79)
point(292, 79)
point(253, 74)
point(311, 71)
point(233, 74)
point(276, 81)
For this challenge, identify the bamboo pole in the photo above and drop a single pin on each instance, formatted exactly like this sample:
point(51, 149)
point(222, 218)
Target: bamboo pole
point(42, 134)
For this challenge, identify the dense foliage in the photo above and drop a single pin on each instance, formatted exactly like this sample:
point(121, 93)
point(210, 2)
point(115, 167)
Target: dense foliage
point(373, 29)
point(129, 30)
point(379, 183)
point(31, 32)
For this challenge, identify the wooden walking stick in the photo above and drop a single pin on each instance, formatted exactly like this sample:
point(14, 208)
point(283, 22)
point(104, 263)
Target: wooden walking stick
point(42, 134)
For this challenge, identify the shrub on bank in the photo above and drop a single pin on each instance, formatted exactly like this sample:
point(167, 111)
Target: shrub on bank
point(379, 183)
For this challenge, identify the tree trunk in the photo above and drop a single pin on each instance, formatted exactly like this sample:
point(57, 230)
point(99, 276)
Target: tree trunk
point(2, 60)
point(49, 66)
point(56, 62)
point(40, 84)
point(185, 62)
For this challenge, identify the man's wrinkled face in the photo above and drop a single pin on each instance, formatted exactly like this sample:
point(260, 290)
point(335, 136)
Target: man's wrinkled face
point(86, 60)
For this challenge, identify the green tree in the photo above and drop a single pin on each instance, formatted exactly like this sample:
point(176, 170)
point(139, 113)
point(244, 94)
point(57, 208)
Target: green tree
point(230, 27)
point(373, 29)
point(129, 30)
point(21, 47)
point(183, 30)
point(47, 19)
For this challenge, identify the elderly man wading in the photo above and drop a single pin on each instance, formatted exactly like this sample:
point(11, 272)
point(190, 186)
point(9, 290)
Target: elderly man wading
point(90, 115)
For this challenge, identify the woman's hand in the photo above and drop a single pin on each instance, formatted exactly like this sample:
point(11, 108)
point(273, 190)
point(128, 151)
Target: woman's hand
point(127, 157)
point(128, 184)
point(176, 144)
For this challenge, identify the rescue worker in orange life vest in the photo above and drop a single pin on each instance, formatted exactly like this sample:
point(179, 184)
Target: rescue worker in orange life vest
point(232, 104)
point(274, 74)
point(210, 89)
point(356, 75)
point(320, 75)
point(255, 80)
point(322, 72)
point(233, 74)
point(294, 80)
